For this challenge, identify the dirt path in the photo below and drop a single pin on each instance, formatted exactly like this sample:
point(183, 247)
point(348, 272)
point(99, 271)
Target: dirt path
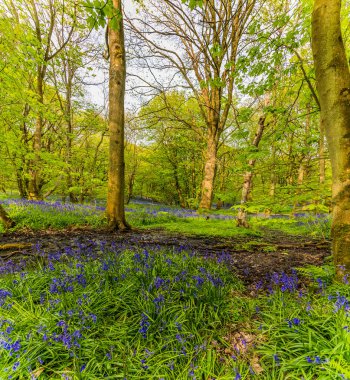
point(253, 259)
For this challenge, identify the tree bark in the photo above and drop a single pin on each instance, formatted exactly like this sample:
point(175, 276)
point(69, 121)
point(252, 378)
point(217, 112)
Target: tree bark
point(248, 175)
point(321, 154)
point(34, 173)
point(209, 171)
point(333, 85)
point(273, 172)
point(69, 122)
point(6, 220)
point(117, 73)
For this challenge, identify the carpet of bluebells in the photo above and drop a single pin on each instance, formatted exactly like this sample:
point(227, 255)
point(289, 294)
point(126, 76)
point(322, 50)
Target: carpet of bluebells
point(42, 215)
point(115, 313)
point(109, 311)
point(106, 311)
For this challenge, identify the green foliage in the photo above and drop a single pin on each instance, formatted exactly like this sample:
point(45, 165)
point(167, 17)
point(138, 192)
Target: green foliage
point(192, 4)
point(316, 227)
point(326, 273)
point(99, 11)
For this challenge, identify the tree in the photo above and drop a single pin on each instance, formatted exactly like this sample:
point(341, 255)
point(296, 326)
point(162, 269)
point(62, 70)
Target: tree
point(117, 73)
point(199, 48)
point(35, 46)
point(175, 159)
point(333, 86)
point(45, 18)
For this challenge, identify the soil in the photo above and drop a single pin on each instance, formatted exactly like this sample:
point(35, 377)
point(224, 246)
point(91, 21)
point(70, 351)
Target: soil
point(252, 259)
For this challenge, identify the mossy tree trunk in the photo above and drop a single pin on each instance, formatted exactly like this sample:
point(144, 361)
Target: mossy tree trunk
point(333, 85)
point(5, 219)
point(117, 73)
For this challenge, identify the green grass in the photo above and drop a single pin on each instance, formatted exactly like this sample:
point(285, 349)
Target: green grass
point(203, 227)
point(309, 226)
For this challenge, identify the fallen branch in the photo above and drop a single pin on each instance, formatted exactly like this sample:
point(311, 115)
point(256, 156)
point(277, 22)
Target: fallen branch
point(6, 247)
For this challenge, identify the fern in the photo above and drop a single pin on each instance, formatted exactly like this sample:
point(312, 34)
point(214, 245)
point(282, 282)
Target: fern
point(341, 366)
point(326, 272)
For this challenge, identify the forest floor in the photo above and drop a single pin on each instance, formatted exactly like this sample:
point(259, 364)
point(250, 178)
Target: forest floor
point(253, 259)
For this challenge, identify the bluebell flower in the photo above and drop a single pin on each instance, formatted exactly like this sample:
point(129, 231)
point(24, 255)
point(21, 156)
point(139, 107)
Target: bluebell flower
point(143, 364)
point(178, 326)
point(158, 301)
point(158, 282)
point(318, 360)
point(144, 325)
point(341, 303)
point(16, 346)
point(199, 281)
point(171, 366)
point(15, 366)
point(276, 359)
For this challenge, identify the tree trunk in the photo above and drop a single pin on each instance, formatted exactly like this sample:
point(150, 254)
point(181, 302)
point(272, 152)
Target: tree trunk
point(273, 171)
point(178, 188)
point(34, 173)
point(131, 182)
point(333, 85)
point(321, 154)
point(248, 175)
point(6, 220)
point(209, 170)
point(69, 136)
point(117, 73)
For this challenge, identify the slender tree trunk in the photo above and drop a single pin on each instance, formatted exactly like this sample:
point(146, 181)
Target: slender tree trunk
point(69, 136)
point(209, 170)
point(117, 72)
point(131, 182)
point(34, 169)
point(321, 154)
point(333, 85)
point(273, 172)
point(6, 220)
point(291, 162)
point(178, 188)
point(248, 175)
point(301, 174)
point(20, 184)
